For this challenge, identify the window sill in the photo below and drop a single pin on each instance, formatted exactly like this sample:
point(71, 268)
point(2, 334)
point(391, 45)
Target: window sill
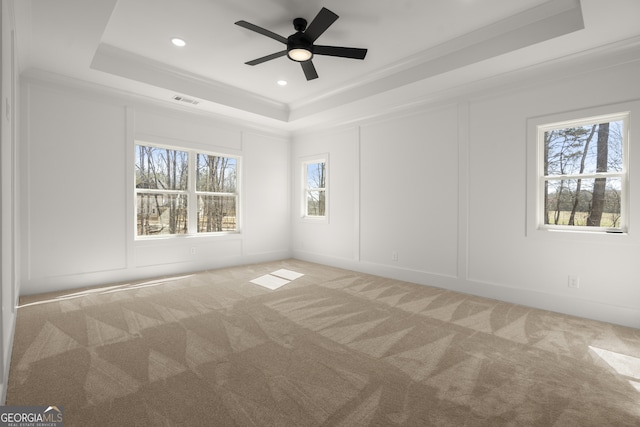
point(556, 234)
point(181, 237)
point(588, 230)
point(315, 219)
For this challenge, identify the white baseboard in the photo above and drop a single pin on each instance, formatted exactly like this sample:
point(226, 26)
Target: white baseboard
point(82, 280)
point(583, 308)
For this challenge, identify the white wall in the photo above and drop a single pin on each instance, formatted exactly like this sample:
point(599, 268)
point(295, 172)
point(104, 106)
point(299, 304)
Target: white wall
point(444, 186)
point(409, 187)
point(9, 273)
point(10, 278)
point(77, 192)
point(337, 237)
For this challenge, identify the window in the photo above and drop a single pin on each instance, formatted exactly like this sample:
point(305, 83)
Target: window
point(315, 188)
point(216, 192)
point(181, 192)
point(162, 176)
point(582, 174)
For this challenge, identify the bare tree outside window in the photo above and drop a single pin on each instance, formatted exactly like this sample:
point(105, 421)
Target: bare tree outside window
point(162, 209)
point(583, 174)
point(315, 188)
point(216, 189)
point(184, 192)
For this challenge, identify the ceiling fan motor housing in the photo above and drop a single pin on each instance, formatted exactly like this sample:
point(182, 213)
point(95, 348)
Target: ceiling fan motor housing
point(299, 41)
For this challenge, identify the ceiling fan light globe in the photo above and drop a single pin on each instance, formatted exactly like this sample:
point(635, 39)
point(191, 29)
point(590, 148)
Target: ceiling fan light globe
point(299, 54)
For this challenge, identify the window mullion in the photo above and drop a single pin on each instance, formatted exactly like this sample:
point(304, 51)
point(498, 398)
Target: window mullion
point(214, 193)
point(159, 191)
point(192, 197)
point(612, 174)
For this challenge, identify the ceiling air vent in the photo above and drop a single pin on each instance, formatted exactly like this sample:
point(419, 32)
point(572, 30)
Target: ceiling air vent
point(187, 100)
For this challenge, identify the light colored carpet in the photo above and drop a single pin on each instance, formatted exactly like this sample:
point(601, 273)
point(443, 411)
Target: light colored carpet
point(331, 348)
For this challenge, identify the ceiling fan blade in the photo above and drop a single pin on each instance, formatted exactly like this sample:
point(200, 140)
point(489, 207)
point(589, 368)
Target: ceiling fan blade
point(343, 52)
point(320, 23)
point(267, 58)
point(263, 31)
point(309, 70)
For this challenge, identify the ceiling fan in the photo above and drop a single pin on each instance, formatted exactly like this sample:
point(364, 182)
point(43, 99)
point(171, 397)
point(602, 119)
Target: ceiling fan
point(300, 45)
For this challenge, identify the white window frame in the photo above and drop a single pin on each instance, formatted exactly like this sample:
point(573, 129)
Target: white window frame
point(536, 127)
point(322, 158)
point(191, 192)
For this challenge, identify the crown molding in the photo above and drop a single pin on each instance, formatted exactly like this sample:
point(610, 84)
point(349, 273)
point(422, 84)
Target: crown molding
point(426, 94)
point(243, 122)
point(125, 64)
point(547, 21)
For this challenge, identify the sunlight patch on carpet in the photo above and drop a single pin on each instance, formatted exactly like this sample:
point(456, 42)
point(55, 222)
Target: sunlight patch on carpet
point(276, 279)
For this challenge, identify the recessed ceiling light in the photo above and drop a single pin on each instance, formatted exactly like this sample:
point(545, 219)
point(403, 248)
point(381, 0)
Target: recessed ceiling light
point(178, 42)
point(282, 82)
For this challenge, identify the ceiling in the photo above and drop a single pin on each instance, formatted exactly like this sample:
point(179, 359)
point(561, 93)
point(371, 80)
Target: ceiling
point(415, 47)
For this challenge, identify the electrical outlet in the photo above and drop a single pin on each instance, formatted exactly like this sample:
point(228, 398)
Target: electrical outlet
point(394, 256)
point(193, 251)
point(574, 282)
